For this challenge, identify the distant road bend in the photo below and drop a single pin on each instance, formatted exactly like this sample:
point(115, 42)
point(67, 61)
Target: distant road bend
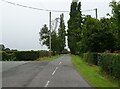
point(57, 73)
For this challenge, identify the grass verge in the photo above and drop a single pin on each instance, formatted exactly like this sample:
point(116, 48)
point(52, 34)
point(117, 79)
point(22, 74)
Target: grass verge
point(49, 58)
point(92, 73)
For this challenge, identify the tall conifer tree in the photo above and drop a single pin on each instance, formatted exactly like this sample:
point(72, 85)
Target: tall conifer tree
point(61, 34)
point(74, 27)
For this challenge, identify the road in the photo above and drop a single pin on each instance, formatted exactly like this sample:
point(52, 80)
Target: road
point(57, 73)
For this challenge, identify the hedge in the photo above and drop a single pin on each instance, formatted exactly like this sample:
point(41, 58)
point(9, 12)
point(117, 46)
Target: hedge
point(30, 55)
point(91, 58)
point(8, 57)
point(109, 63)
point(23, 55)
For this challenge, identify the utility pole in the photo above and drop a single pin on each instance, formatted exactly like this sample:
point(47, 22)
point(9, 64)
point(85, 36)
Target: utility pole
point(96, 13)
point(50, 34)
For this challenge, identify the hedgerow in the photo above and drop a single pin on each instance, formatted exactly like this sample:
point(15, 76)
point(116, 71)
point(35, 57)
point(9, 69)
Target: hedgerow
point(91, 58)
point(8, 56)
point(109, 63)
point(23, 55)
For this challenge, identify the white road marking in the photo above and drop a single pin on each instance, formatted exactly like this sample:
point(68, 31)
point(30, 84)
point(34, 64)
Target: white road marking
point(60, 63)
point(47, 84)
point(54, 71)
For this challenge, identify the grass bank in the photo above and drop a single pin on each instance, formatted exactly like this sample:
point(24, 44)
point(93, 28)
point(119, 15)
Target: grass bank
point(92, 74)
point(49, 58)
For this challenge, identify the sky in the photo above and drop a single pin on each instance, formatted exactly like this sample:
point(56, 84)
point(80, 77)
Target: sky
point(19, 26)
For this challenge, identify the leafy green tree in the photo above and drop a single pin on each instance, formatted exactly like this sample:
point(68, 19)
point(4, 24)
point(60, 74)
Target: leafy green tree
point(44, 36)
point(74, 27)
point(96, 35)
point(2, 47)
point(7, 49)
point(116, 20)
point(61, 34)
point(109, 31)
point(54, 43)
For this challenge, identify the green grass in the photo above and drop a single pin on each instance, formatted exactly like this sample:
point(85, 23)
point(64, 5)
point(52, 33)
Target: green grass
point(92, 73)
point(49, 58)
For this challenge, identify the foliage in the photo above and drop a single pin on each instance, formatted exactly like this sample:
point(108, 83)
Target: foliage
point(87, 34)
point(92, 74)
point(54, 43)
point(57, 40)
point(44, 35)
point(74, 27)
point(61, 34)
point(91, 58)
point(2, 47)
point(23, 55)
point(110, 64)
point(116, 20)
point(65, 51)
point(30, 55)
point(96, 35)
point(8, 56)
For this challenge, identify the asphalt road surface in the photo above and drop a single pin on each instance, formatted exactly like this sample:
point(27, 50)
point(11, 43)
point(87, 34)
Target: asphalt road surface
point(57, 73)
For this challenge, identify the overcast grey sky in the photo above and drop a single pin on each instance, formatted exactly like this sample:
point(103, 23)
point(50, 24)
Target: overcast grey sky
point(20, 26)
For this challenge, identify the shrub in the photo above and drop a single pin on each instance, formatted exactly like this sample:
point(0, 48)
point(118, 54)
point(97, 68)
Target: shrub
point(110, 64)
point(30, 55)
point(91, 58)
point(43, 53)
point(23, 55)
point(8, 56)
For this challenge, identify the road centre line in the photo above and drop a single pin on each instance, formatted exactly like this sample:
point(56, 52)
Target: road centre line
point(54, 70)
point(46, 85)
point(60, 63)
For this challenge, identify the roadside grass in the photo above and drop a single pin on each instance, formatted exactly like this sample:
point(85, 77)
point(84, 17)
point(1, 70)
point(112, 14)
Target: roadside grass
point(49, 58)
point(92, 74)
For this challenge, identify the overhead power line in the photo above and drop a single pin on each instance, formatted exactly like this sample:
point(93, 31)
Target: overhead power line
point(35, 8)
point(32, 7)
point(88, 10)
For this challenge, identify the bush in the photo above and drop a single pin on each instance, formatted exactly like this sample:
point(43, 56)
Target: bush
point(91, 58)
point(30, 55)
point(8, 56)
point(23, 55)
point(43, 53)
point(110, 64)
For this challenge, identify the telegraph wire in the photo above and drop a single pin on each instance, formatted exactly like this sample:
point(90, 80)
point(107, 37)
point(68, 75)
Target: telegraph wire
point(40, 8)
point(32, 7)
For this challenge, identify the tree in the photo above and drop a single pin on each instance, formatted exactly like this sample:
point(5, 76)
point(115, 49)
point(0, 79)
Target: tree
point(2, 47)
point(44, 36)
point(116, 20)
point(54, 43)
point(7, 49)
point(44, 39)
point(96, 35)
point(61, 34)
point(108, 30)
point(74, 27)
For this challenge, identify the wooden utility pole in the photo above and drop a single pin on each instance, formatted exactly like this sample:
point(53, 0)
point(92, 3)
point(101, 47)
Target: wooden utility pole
point(50, 33)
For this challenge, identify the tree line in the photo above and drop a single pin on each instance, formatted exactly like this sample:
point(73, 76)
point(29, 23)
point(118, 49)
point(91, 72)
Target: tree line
point(57, 39)
point(3, 48)
point(85, 33)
